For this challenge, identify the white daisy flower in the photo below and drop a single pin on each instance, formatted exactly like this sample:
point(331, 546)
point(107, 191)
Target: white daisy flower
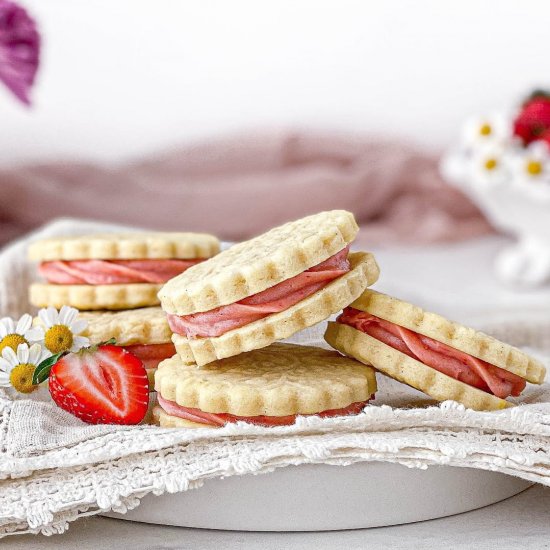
point(480, 131)
point(60, 330)
point(17, 368)
point(532, 164)
point(489, 166)
point(13, 333)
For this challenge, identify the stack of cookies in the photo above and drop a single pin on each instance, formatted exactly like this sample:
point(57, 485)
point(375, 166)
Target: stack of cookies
point(115, 278)
point(228, 314)
point(217, 339)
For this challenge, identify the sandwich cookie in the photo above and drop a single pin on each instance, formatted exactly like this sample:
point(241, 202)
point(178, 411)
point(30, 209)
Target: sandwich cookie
point(266, 289)
point(268, 387)
point(441, 358)
point(115, 271)
point(143, 332)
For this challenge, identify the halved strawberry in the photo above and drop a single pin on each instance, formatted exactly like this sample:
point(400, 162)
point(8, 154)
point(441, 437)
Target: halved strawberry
point(101, 385)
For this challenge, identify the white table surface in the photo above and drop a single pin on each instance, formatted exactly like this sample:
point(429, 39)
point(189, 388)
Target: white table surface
point(522, 522)
point(456, 280)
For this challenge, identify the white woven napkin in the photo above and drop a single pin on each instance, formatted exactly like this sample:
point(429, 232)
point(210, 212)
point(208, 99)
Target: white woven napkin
point(54, 468)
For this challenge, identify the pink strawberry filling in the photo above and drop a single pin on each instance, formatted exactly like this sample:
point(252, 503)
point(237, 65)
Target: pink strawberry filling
point(220, 419)
point(110, 272)
point(151, 354)
point(438, 356)
point(272, 300)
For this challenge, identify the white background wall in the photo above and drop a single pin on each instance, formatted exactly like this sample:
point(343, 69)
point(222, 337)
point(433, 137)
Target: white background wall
point(124, 77)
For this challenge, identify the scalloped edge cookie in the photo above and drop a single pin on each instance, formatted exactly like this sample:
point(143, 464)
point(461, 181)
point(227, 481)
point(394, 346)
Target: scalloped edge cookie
point(460, 337)
point(279, 380)
point(164, 420)
point(306, 313)
point(94, 297)
point(252, 266)
point(136, 326)
point(126, 246)
point(397, 365)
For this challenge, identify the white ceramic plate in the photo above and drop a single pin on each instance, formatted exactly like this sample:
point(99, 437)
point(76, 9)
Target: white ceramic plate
point(320, 497)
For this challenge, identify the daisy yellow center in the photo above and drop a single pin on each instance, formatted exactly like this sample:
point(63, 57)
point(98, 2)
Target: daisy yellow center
point(58, 338)
point(21, 377)
point(11, 341)
point(485, 130)
point(491, 164)
point(533, 167)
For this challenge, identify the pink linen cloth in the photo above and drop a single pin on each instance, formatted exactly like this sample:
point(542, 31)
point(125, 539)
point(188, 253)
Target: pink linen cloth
point(239, 186)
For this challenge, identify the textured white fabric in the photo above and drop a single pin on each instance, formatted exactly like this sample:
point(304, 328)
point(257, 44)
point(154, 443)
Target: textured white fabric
point(54, 468)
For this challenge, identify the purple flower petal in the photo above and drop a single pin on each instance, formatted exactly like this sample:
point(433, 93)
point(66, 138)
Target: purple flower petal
point(19, 49)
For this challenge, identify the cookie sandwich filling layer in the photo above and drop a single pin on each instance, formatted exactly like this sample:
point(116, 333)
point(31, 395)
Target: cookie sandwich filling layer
point(221, 419)
point(437, 355)
point(278, 298)
point(110, 272)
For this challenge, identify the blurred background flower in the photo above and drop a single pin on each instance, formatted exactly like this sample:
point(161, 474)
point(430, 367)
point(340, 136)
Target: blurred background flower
point(532, 164)
point(19, 49)
point(490, 165)
point(491, 129)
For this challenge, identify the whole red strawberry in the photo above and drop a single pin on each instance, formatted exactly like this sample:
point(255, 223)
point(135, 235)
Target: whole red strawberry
point(101, 385)
point(545, 136)
point(533, 121)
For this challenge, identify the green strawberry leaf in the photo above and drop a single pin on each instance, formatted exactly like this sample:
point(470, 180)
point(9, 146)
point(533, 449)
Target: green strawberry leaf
point(94, 347)
point(537, 94)
point(109, 342)
point(42, 371)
